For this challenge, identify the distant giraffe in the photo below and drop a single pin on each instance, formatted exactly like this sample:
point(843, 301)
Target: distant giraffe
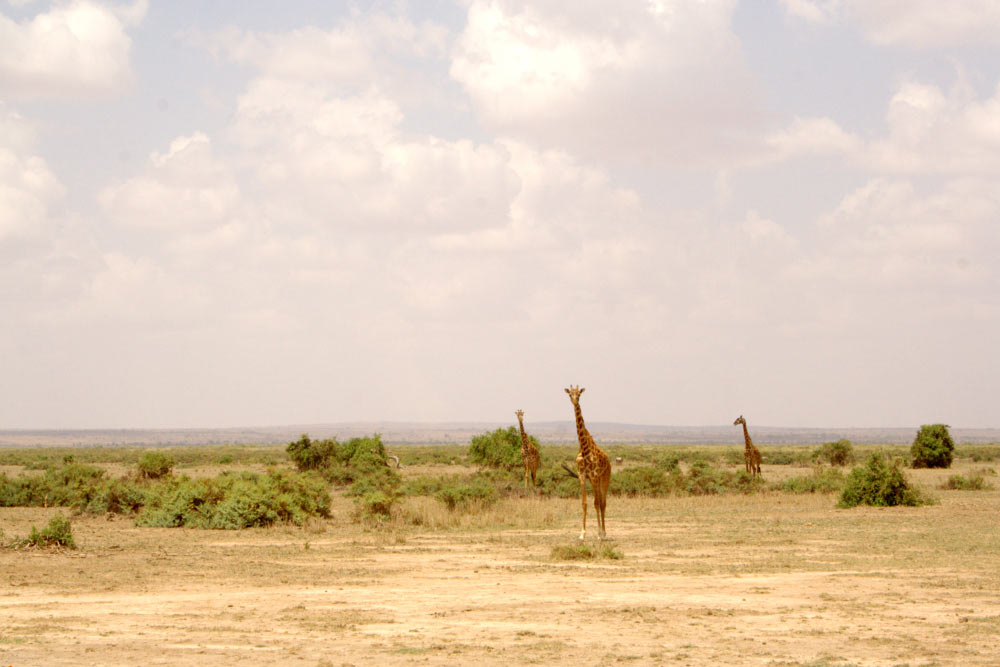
point(591, 463)
point(751, 455)
point(529, 453)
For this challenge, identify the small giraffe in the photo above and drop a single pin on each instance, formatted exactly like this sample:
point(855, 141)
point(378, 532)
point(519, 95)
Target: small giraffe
point(591, 463)
point(529, 453)
point(751, 455)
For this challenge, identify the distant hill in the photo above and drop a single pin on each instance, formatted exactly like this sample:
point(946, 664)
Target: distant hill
point(462, 432)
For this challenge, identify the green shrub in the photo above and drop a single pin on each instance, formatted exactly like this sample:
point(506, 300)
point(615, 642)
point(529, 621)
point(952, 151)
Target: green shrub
point(554, 481)
point(974, 482)
point(59, 533)
point(777, 458)
point(463, 495)
point(116, 496)
point(499, 449)
point(932, 447)
point(236, 500)
point(671, 463)
point(702, 480)
point(643, 481)
point(839, 453)
point(880, 483)
point(309, 454)
point(822, 480)
point(154, 465)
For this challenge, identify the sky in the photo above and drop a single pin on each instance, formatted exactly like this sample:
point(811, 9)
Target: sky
point(235, 213)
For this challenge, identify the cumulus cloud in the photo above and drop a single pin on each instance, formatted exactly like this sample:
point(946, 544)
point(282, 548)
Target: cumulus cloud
point(77, 49)
point(28, 188)
point(655, 83)
point(183, 188)
point(932, 130)
point(811, 136)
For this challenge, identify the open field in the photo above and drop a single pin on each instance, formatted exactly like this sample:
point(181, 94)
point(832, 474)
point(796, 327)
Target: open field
point(769, 579)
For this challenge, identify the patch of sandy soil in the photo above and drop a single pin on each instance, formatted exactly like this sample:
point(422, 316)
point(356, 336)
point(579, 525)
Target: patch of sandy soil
point(817, 587)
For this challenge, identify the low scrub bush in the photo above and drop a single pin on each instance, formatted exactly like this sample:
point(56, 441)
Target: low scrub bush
point(839, 453)
point(236, 500)
point(822, 480)
point(932, 447)
point(702, 480)
point(73, 484)
point(974, 482)
point(477, 493)
point(375, 492)
point(881, 483)
point(59, 533)
point(154, 465)
point(580, 551)
point(644, 481)
point(778, 458)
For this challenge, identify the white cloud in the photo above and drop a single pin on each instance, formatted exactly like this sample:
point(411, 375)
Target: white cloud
point(931, 130)
point(650, 83)
point(812, 136)
point(187, 187)
point(28, 188)
point(77, 49)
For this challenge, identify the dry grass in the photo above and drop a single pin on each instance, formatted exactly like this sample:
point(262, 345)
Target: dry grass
point(764, 579)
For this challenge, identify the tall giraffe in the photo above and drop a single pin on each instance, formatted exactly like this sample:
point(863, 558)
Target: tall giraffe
point(751, 455)
point(529, 453)
point(593, 464)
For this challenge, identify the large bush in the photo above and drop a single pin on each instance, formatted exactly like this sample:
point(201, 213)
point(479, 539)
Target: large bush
point(933, 447)
point(308, 454)
point(880, 483)
point(839, 453)
point(499, 449)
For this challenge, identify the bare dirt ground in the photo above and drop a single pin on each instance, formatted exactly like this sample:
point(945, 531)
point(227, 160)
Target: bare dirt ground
point(769, 579)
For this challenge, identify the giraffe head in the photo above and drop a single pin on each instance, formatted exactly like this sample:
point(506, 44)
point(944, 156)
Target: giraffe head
point(574, 394)
point(739, 420)
point(520, 415)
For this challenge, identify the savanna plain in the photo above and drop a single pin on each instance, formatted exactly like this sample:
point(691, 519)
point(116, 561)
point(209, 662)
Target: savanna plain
point(768, 576)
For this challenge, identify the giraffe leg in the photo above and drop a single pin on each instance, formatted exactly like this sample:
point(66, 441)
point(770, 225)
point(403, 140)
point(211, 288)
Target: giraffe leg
point(583, 500)
point(603, 484)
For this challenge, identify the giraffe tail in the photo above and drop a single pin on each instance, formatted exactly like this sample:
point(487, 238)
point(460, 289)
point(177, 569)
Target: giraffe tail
point(569, 471)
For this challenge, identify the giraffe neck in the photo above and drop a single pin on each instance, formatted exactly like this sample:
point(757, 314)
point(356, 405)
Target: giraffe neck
point(746, 436)
point(582, 434)
point(525, 443)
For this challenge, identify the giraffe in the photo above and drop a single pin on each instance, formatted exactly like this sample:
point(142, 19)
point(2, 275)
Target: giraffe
point(591, 463)
point(751, 455)
point(529, 453)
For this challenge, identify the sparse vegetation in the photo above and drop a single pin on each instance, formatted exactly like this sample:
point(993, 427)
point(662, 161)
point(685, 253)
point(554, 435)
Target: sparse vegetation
point(974, 481)
point(932, 447)
point(583, 551)
point(821, 480)
point(58, 533)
